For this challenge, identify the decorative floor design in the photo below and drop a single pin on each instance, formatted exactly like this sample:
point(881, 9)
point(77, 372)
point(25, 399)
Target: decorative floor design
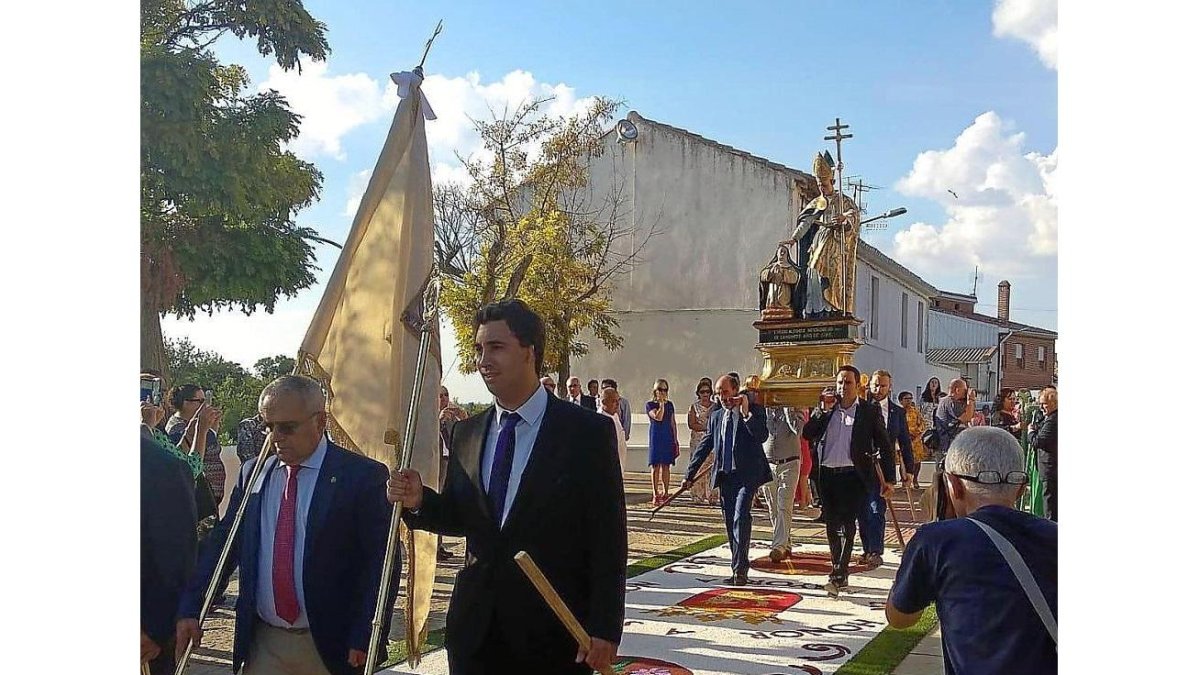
point(682, 619)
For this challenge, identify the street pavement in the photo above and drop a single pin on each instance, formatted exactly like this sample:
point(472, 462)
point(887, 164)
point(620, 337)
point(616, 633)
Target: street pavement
point(677, 525)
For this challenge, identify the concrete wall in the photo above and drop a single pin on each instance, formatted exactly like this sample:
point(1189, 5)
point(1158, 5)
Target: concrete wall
point(720, 213)
point(887, 351)
point(687, 311)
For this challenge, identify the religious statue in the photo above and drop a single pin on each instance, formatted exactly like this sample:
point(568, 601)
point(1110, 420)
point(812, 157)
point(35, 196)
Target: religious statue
point(779, 291)
point(827, 234)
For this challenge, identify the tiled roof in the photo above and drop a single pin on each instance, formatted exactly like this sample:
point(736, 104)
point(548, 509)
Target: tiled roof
point(876, 257)
point(959, 355)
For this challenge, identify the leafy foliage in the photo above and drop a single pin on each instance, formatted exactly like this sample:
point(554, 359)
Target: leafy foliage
point(272, 367)
point(235, 390)
point(529, 227)
point(219, 192)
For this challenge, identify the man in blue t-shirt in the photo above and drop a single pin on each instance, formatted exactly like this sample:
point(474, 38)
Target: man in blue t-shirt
point(989, 624)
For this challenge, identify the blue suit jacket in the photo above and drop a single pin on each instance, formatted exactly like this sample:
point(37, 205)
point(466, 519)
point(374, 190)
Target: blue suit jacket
point(897, 429)
point(749, 462)
point(348, 522)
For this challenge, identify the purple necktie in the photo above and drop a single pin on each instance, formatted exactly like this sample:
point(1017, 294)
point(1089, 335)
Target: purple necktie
point(283, 578)
point(502, 462)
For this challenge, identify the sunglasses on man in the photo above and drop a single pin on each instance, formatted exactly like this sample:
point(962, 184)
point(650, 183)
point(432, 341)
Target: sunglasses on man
point(287, 428)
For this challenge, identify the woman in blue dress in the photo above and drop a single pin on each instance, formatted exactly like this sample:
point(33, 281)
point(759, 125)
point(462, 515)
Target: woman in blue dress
point(664, 446)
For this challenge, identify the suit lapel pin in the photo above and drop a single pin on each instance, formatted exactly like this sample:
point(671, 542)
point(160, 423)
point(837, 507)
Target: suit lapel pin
point(333, 479)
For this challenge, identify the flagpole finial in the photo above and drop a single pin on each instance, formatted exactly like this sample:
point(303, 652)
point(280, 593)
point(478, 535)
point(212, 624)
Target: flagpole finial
point(433, 291)
point(436, 32)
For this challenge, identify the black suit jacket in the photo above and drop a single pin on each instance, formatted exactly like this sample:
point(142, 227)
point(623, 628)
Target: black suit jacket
point(568, 515)
point(869, 441)
point(1046, 440)
point(897, 426)
point(348, 523)
point(168, 538)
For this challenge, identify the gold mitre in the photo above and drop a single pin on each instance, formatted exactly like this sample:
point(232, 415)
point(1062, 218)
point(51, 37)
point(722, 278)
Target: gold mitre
point(823, 166)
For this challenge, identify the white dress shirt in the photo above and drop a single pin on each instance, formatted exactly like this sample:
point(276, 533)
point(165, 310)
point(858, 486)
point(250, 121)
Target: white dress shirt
point(531, 411)
point(837, 437)
point(622, 447)
point(306, 483)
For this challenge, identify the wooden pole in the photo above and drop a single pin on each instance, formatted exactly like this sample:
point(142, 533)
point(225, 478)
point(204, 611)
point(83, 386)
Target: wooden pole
point(677, 493)
point(552, 598)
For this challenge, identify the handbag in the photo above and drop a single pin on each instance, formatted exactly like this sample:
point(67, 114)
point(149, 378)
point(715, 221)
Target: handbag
point(931, 440)
point(1017, 564)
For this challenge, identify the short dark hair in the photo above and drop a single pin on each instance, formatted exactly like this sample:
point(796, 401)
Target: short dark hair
point(903, 394)
point(524, 323)
point(1005, 392)
point(857, 375)
point(608, 382)
point(179, 394)
point(595, 382)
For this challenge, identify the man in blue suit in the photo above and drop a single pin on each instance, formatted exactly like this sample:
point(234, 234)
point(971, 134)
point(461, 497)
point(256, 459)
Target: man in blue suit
point(736, 432)
point(310, 548)
point(872, 518)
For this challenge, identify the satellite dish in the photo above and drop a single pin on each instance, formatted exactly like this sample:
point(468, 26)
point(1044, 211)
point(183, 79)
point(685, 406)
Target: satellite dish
point(627, 130)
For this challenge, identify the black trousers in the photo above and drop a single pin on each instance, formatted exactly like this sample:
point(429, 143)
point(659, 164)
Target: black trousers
point(1048, 470)
point(843, 496)
point(495, 656)
point(165, 663)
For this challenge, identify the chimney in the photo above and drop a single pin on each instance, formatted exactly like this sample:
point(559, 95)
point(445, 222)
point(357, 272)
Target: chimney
point(1002, 302)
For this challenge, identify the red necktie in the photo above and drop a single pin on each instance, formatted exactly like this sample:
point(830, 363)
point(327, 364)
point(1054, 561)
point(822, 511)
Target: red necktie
point(283, 577)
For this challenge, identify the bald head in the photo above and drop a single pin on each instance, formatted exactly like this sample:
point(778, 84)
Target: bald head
point(610, 400)
point(958, 388)
point(727, 388)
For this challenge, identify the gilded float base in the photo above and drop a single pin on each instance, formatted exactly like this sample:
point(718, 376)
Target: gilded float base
point(794, 373)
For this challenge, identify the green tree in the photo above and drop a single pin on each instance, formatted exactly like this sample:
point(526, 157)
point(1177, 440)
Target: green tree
point(531, 224)
point(271, 367)
point(219, 194)
point(235, 391)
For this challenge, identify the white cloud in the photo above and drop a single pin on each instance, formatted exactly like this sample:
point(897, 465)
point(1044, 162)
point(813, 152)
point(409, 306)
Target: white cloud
point(1005, 215)
point(331, 105)
point(1032, 21)
point(355, 190)
point(458, 100)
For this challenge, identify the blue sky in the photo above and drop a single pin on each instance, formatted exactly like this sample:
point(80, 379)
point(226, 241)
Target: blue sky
point(940, 96)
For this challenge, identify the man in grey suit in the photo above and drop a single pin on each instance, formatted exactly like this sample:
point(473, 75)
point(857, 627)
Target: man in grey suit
point(783, 452)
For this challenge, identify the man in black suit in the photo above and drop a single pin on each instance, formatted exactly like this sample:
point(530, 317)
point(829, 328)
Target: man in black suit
point(736, 432)
point(872, 518)
point(168, 550)
point(531, 473)
point(575, 394)
point(854, 452)
point(1045, 441)
point(310, 549)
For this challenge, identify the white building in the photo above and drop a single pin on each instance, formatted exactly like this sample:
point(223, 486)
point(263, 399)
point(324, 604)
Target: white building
point(687, 311)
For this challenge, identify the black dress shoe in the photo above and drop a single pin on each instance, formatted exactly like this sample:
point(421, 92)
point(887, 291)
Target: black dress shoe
point(740, 580)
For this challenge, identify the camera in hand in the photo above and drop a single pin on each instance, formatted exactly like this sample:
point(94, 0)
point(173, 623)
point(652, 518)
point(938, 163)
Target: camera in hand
point(151, 389)
point(943, 509)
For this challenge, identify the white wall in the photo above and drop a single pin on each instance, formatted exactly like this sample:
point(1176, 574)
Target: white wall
point(721, 215)
point(687, 311)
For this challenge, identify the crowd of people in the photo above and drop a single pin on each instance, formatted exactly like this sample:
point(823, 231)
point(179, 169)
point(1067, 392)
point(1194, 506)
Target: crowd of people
point(310, 550)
